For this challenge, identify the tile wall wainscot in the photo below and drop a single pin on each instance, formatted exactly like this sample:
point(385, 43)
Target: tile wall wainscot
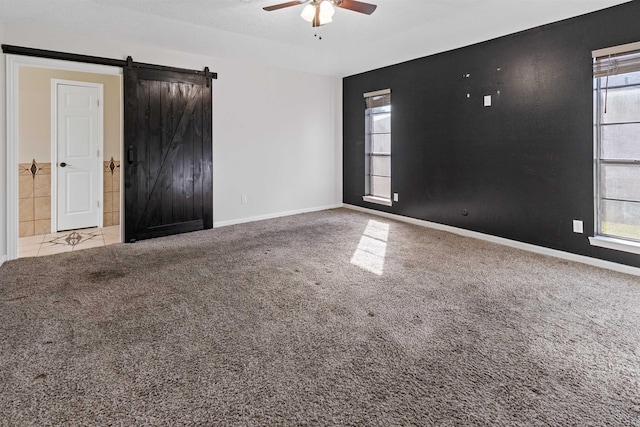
point(35, 198)
point(111, 210)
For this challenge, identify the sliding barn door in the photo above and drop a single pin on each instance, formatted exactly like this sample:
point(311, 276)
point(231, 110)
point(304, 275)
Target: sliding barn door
point(168, 153)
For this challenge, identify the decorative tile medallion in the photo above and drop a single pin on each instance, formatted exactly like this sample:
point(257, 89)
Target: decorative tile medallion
point(34, 168)
point(75, 237)
point(113, 165)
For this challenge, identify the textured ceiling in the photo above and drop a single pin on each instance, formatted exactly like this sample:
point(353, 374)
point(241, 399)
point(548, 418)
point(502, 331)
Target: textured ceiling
point(399, 30)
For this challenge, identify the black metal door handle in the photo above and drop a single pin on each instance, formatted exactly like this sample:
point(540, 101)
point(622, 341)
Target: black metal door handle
point(63, 164)
point(130, 155)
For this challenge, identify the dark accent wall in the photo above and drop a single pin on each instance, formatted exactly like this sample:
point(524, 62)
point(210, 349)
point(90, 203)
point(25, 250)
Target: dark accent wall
point(521, 169)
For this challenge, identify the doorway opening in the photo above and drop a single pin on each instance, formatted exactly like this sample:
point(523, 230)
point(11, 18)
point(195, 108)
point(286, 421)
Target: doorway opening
point(63, 155)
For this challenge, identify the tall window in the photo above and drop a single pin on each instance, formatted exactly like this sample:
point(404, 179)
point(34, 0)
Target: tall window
point(378, 147)
point(617, 126)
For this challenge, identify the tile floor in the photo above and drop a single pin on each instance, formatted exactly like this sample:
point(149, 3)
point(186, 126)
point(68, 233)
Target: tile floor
point(67, 241)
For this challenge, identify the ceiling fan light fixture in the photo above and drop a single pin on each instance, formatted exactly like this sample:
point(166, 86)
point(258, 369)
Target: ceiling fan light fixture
point(325, 19)
point(326, 9)
point(320, 12)
point(309, 12)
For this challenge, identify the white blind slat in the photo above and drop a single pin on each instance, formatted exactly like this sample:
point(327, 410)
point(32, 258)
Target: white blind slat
point(377, 92)
point(621, 63)
point(378, 101)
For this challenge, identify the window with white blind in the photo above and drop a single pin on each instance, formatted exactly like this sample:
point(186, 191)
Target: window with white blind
point(616, 75)
point(378, 147)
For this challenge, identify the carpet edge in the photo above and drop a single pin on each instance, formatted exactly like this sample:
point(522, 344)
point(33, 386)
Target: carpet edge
point(541, 250)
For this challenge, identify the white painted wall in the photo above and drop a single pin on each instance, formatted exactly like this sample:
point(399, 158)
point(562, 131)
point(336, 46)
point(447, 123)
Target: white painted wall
point(274, 141)
point(276, 134)
point(3, 153)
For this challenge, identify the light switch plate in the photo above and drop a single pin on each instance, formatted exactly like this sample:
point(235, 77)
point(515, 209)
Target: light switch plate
point(395, 197)
point(578, 226)
point(487, 100)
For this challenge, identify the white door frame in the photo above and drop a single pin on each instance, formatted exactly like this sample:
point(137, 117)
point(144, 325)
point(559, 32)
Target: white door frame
point(54, 146)
point(13, 63)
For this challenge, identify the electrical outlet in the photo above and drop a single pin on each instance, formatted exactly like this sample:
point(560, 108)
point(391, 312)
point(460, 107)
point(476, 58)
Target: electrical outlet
point(395, 197)
point(243, 199)
point(578, 226)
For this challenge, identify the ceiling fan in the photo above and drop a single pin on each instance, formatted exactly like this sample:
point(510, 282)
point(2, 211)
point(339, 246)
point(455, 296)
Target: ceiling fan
point(320, 12)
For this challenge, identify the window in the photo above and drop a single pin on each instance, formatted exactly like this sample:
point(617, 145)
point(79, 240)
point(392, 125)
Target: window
point(617, 139)
point(378, 147)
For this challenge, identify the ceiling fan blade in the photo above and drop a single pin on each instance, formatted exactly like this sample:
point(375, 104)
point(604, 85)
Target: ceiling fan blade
point(283, 5)
point(357, 6)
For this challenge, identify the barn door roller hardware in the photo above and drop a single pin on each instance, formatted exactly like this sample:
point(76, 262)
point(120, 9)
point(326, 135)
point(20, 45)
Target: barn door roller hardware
point(207, 76)
point(206, 73)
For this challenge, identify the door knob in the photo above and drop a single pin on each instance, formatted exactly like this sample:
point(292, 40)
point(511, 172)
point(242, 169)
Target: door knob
point(63, 164)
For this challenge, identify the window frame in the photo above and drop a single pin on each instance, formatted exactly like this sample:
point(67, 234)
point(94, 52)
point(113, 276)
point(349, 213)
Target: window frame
point(600, 239)
point(368, 154)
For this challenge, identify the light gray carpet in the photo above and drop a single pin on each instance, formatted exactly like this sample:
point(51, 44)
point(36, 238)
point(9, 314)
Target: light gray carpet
point(270, 323)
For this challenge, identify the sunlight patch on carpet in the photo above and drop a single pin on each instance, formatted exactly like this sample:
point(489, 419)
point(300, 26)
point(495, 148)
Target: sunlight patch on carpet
point(372, 247)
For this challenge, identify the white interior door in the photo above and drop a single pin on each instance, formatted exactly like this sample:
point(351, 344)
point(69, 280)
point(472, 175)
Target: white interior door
point(78, 168)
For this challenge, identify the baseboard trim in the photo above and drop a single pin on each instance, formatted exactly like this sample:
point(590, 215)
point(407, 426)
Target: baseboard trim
point(596, 262)
point(219, 224)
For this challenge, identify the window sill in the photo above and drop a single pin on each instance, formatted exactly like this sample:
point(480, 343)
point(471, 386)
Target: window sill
point(615, 244)
point(378, 200)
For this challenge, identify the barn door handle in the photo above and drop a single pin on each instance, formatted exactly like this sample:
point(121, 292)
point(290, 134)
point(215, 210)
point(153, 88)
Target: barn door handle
point(63, 164)
point(130, 155)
